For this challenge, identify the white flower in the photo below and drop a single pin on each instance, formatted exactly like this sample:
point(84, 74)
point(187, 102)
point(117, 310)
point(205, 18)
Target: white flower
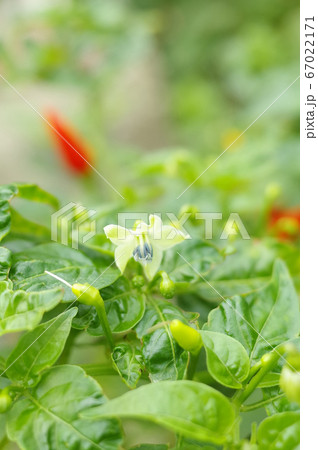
point(145, 243)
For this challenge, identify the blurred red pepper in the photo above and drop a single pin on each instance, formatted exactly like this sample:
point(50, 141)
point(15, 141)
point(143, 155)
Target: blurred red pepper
point(70, 144)
point(285, 223)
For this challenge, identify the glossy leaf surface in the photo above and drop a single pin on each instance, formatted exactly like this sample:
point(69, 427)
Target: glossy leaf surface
point(28, 270)
point(5, 263)
point(50, 415)
point(262, 319)
point(39, 349)
point(128, 362)
point(186, 407)
point(163, 357)
point(21, 310)
point(279, 432)
point(227, 360)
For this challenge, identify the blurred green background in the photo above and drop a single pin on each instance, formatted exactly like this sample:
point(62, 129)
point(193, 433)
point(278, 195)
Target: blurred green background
point(158, 89)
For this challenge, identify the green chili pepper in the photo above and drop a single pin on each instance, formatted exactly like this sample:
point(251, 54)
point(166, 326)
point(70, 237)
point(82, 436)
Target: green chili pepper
point(290, 384)
point(290, 376)
point(86, 294)
point(187, 337)
point(89, 295)
point(5, 401)
point(167, 286)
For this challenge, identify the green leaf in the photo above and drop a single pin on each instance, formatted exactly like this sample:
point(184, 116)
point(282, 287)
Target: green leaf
point(128, 362)
point(34, 193)
point(190, 444)
point(150, 447)
point(11, 218)
point(250, 260)
point(29, 266)
point(227, 288)
point(99, 249)
point(271, 379)
point(279, 432)
point(242, 272)
point(279, 402)
point(5, 263)
point(164, 358)
point(50, 415)
point(39, 349)
point(189, 408)
point(227, 360)
point(22, 226)
point(5, 218)
point(200, 254)
point(7, 192)
point(21, 310)
point(124, 307)
point(262, 319)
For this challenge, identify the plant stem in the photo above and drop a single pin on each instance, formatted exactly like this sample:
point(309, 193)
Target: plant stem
point(192, 365)
point(97, 370)
point(100, 308)
point(254, 370)
point(179, 442)
point(253, 439)
point(268, 361)
point(260, 404)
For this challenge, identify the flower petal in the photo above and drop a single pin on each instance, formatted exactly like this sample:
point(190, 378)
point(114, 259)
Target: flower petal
point(170, 236)
point(152, 267)
point(122, 255)
point(155, 226)
point(118, 235)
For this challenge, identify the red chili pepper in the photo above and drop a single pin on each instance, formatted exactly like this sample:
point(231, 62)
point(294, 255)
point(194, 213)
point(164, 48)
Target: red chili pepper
point(70, 144)
point(285, 223)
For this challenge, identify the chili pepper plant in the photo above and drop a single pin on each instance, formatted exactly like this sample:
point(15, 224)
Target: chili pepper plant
point(146, 337)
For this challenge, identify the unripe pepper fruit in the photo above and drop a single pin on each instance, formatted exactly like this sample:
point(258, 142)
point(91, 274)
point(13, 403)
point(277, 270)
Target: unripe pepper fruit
point(88, 294)
point(167, 286)
point(290, 376)
point(187, 337)
point(290, 384)
point(5, 401)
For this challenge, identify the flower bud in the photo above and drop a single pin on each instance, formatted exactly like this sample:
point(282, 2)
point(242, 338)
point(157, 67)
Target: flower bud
point(86, 294)
point(187, 337)
point(167, 286)
point(290, 384)
point(138, 281)
point(189, 209)
point(5, 401)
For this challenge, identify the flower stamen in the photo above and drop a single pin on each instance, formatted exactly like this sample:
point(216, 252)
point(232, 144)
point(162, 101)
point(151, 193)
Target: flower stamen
point(144, 251)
